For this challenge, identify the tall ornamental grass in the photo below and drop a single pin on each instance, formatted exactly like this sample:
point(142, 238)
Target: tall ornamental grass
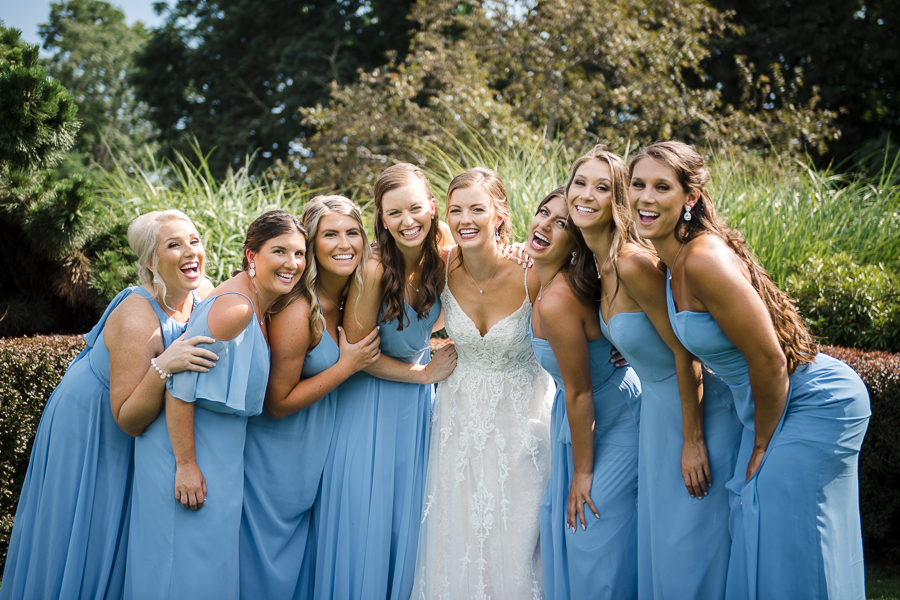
point(789, 213)
point(221, 208)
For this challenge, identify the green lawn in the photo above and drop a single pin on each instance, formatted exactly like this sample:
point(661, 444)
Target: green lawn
point(880, 586)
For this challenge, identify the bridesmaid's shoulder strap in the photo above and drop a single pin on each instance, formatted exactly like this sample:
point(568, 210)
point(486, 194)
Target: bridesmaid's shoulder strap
point(154, 304)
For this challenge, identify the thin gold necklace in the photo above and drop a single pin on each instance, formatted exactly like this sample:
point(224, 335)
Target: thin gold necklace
point(674, 259)
point(339, 306)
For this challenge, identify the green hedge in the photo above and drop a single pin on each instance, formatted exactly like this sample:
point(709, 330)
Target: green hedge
point(31, 367)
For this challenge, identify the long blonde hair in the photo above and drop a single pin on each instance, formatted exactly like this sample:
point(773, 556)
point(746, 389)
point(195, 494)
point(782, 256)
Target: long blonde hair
point(143, 237)
point(622, 229)
point(311, 218)
point(795, 340)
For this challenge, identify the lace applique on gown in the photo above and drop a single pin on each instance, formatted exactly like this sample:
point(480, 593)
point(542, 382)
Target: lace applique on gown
point(488, 464)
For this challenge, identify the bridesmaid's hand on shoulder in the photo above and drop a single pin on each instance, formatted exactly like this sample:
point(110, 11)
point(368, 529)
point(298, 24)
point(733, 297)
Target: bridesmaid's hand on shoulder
point(363, 353)
point(184, 355)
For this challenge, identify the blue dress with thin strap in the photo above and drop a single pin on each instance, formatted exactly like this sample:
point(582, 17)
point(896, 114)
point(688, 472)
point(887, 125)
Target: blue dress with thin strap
point(175, 552)
point(601, 560)
point(71, 527)
point(683, 543)
point(283, 462)
point(795, 524)
point(370, 506)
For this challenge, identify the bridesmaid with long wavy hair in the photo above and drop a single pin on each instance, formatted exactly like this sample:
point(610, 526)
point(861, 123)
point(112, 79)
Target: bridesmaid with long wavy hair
point(370, 505)
point(689, 433)
point(287, 444)
point(795, 514)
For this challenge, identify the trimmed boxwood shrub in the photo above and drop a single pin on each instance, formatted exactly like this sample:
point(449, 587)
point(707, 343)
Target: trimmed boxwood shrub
point(30, 368)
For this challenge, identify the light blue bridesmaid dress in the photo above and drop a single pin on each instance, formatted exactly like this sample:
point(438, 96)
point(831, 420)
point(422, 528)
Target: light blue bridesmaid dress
point(175, 552)
point(795, 524)
point(71, 527)
point(683, 543)
point(600, 561)
point(370, 506)
point(283, 462)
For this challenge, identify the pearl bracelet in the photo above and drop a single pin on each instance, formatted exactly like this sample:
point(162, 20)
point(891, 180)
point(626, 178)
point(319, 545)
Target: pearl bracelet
point(162, 374)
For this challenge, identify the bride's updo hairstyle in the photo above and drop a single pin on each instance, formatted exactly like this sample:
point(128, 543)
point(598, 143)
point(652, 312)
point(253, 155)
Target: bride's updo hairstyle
point(393, 282)
point(797, 343)
point(143, 237)
point(582, 275)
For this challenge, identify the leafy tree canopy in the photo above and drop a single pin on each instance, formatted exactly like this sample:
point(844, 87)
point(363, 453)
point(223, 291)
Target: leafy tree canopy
point(232, 73)
point(586, 71)
point(93, 50)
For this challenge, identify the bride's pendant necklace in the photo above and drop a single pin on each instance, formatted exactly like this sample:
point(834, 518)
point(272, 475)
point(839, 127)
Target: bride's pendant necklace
point(481, 289)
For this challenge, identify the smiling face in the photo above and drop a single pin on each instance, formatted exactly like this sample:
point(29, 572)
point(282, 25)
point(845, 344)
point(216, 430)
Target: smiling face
point(549, 238)
point(590, 196)
point(279, 262)
point(657, 198)
point(471, 216)
point(339, 244)
point(180, 256)
point(407, 212)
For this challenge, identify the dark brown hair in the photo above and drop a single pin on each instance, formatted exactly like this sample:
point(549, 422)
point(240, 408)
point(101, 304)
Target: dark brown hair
point(583, 274)
point(393, 281)
point(796, 342)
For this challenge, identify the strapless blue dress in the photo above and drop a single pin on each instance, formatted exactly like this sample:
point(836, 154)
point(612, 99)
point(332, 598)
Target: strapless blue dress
point(71, 527)
point(600, 561)
point(175, 552)
point(369, 509)
point(795, 524)
point(683, 543)
point(283, 462)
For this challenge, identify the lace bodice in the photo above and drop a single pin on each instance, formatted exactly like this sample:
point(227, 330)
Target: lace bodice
point(488, 464)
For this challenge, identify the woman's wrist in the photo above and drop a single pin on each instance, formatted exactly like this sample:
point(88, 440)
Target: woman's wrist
point(159, 371)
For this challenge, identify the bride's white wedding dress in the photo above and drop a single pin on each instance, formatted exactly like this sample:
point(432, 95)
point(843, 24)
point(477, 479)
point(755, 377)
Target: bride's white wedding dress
point(488, 464)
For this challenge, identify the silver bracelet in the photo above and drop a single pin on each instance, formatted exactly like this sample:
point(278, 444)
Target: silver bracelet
point(162, 374)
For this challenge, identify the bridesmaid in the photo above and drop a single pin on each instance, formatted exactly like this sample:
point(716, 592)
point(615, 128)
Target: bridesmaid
point(594, 422)
point(370, 503)
point(795, 517)
point(71, 526)
point(677, 427)
point(287, 444)
point(192, 550)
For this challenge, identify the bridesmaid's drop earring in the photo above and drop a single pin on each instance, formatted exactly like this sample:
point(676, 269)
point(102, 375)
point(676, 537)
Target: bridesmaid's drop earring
point(252, 271)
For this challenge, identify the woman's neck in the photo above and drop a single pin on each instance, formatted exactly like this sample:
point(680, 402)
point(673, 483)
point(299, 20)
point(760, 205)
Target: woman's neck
point(481, 261)
point(412, 258)
point(333, 284)
point(180, 303)
point(547, 270)
point(667, 248)
point(598, 242)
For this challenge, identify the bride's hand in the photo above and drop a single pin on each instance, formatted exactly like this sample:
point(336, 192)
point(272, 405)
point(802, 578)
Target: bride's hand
point(579, 495)
point(442, 364)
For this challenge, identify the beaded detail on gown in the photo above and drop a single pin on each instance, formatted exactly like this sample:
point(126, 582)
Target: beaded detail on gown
point(489, 460)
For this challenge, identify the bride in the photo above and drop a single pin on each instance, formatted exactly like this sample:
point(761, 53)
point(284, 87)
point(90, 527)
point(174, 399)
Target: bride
point(489, 455)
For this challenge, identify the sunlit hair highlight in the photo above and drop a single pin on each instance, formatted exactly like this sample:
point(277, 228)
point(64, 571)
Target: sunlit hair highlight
point(311, 217)
point(143, 237)
point(796, 342)
point(393, 281)
point(582, 275)
point(622, 229)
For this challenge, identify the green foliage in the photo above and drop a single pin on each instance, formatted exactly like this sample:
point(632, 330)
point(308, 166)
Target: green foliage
point(221, 209)
point(847, 304)
point(44, 222)
point(232, 73)
point(30, 368)
point(847, 53)
point(114, 266)
point(580, 72)
point(93, 54)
